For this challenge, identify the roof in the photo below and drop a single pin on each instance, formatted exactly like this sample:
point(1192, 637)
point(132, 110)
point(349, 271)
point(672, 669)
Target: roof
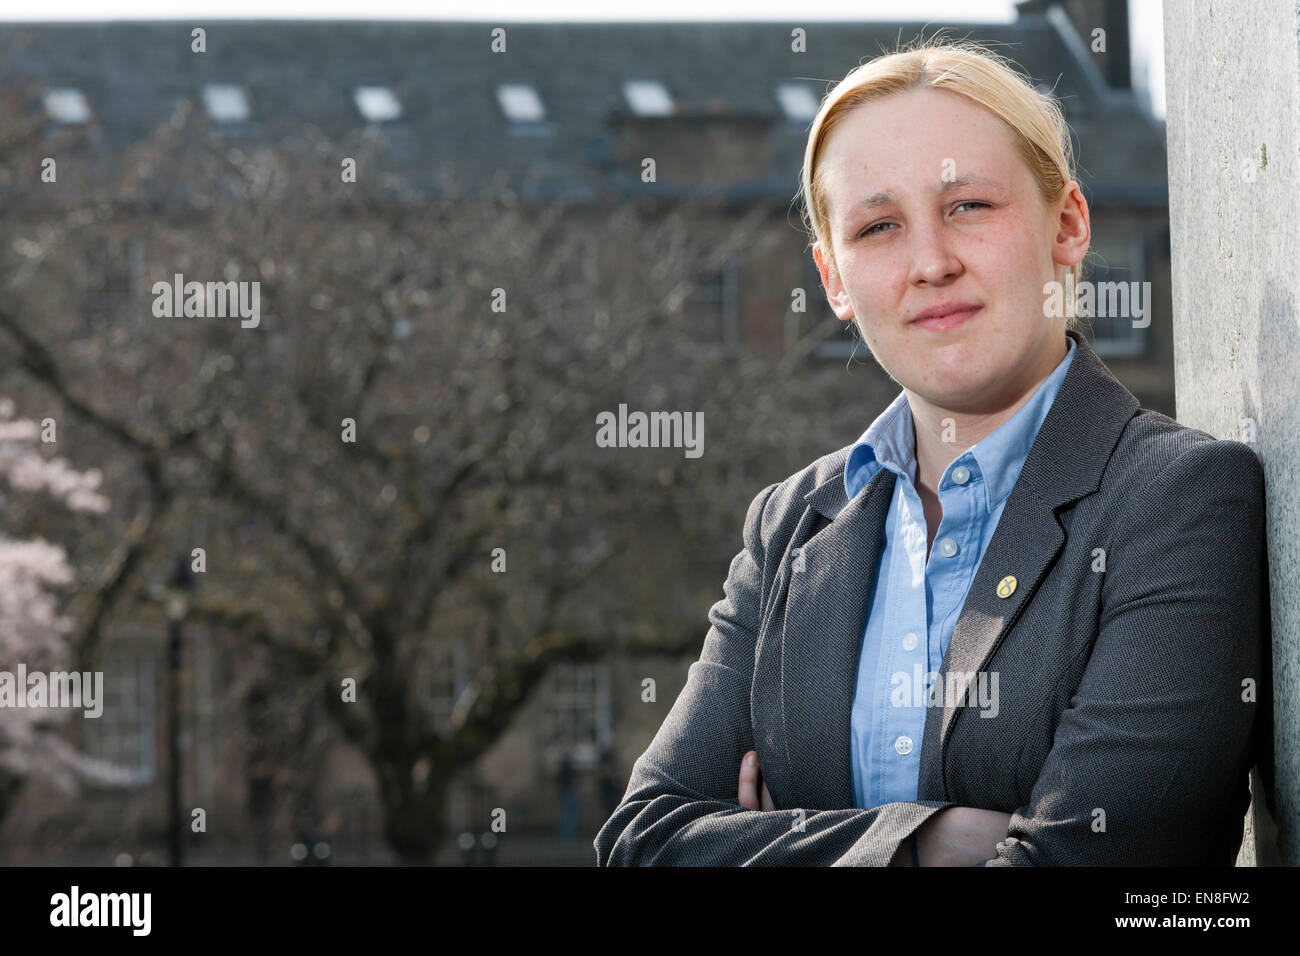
point(444, 77)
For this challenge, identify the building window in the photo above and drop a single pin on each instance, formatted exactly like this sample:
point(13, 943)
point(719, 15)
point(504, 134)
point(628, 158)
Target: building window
point(225, 103)
point(578, 711)
point(1114, 260)
point(648, 98)
point(377, 104)
point(125, 733)
point(712, 310)
point(66, 106)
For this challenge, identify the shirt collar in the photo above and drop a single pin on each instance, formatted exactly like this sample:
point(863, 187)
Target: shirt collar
point(890, 442)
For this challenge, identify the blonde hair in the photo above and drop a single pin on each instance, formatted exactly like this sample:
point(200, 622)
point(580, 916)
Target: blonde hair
point(958, 66)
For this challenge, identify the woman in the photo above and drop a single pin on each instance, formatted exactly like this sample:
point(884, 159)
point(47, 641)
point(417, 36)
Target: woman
point(1070, 674)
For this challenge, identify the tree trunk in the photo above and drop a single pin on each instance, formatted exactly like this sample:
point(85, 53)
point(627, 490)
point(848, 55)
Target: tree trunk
point(414, 813)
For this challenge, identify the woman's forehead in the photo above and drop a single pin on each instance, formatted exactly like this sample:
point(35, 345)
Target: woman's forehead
point(934, 121)
point(873, 150)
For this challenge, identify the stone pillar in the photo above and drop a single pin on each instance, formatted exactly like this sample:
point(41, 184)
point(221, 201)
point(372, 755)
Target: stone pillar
point(1232, 75)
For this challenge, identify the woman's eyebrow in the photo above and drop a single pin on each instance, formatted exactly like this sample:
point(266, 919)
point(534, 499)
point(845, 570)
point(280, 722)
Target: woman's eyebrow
point(885, 198)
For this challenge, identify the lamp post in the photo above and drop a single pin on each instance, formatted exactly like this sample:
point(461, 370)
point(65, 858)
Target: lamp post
point(177, 606)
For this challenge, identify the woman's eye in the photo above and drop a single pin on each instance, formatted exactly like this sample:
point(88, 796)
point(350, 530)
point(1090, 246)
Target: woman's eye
point(871, 230)
point(879, 227)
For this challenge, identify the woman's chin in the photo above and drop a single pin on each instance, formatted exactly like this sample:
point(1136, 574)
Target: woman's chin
point(952, 385)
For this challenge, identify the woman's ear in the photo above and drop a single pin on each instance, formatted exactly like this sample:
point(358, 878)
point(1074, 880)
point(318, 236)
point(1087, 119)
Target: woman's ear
point(1073, 228)
point(835, 292)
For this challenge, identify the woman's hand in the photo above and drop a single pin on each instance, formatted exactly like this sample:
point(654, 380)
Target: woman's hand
point(750, 778)
point(956, 836)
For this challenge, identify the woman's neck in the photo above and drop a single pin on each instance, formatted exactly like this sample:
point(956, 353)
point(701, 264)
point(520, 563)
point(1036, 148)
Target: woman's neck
point(942, 434)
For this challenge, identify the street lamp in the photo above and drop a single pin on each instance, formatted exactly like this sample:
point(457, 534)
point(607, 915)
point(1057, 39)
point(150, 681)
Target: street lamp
point(177, 606)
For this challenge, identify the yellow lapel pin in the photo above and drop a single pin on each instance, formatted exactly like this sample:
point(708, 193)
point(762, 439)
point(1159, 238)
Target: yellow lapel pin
point(1006, 586)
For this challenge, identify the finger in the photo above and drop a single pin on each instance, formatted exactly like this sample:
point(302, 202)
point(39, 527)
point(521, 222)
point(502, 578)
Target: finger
point(768, 802)
point(747, 795)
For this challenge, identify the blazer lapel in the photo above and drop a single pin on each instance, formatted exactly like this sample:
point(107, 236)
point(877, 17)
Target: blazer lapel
point(1025, 543)
point(818, 637)
point(1065, 462)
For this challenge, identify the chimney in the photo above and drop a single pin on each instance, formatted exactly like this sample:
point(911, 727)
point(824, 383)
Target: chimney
point(1115, 63)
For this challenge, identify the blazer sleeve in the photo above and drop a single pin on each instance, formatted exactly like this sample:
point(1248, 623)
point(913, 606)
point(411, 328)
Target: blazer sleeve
point(1149, 759)
point(680, 806)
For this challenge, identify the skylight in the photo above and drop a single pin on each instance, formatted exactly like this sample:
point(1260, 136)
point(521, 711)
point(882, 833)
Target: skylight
point(66, 106)
point(797, 101)
point(520, 103)
point(225, 103)
point(648, 98)
point(378, 104)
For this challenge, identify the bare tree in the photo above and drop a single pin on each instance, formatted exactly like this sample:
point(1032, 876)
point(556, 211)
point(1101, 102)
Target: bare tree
point(400, 453)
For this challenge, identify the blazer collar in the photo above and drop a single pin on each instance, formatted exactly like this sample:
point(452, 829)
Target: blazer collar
point(820, 632)
point(1073, 444)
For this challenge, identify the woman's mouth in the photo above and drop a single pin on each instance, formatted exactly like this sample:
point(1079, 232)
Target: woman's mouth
point(939, 323)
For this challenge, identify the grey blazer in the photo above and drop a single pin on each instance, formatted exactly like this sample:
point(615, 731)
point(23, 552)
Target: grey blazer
point(1132, 658)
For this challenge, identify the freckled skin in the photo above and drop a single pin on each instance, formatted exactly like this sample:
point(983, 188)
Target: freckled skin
point(928, 248)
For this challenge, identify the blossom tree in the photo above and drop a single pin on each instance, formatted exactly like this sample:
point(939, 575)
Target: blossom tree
point(32, 631)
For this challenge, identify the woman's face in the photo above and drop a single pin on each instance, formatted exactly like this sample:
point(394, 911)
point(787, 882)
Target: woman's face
point(931, 204)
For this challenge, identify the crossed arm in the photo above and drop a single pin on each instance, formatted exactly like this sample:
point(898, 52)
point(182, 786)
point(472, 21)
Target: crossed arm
point(680, 807)
point(956, 836)
point(1156, 737)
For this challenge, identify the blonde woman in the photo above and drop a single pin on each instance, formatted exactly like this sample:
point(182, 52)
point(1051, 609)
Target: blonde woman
point(1021, 621)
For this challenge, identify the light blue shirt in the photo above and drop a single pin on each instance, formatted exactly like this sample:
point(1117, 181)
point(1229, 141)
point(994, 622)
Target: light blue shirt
point(915, 602)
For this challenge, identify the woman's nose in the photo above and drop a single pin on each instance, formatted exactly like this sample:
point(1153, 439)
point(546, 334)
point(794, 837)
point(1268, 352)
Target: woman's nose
point(933, 259)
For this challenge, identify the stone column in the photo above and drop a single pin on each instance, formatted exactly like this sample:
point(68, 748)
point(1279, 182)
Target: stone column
point(1232, 76)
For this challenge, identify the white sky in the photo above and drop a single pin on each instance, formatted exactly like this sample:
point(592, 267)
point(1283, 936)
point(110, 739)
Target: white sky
point(1144, 15)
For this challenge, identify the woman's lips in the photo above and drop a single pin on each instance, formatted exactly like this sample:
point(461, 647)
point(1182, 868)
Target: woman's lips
point(938, 323)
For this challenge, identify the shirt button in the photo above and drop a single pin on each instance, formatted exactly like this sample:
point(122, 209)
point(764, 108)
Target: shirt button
point(909, 642)
point(947, 547)
point(961, 474)
point(903, 745)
